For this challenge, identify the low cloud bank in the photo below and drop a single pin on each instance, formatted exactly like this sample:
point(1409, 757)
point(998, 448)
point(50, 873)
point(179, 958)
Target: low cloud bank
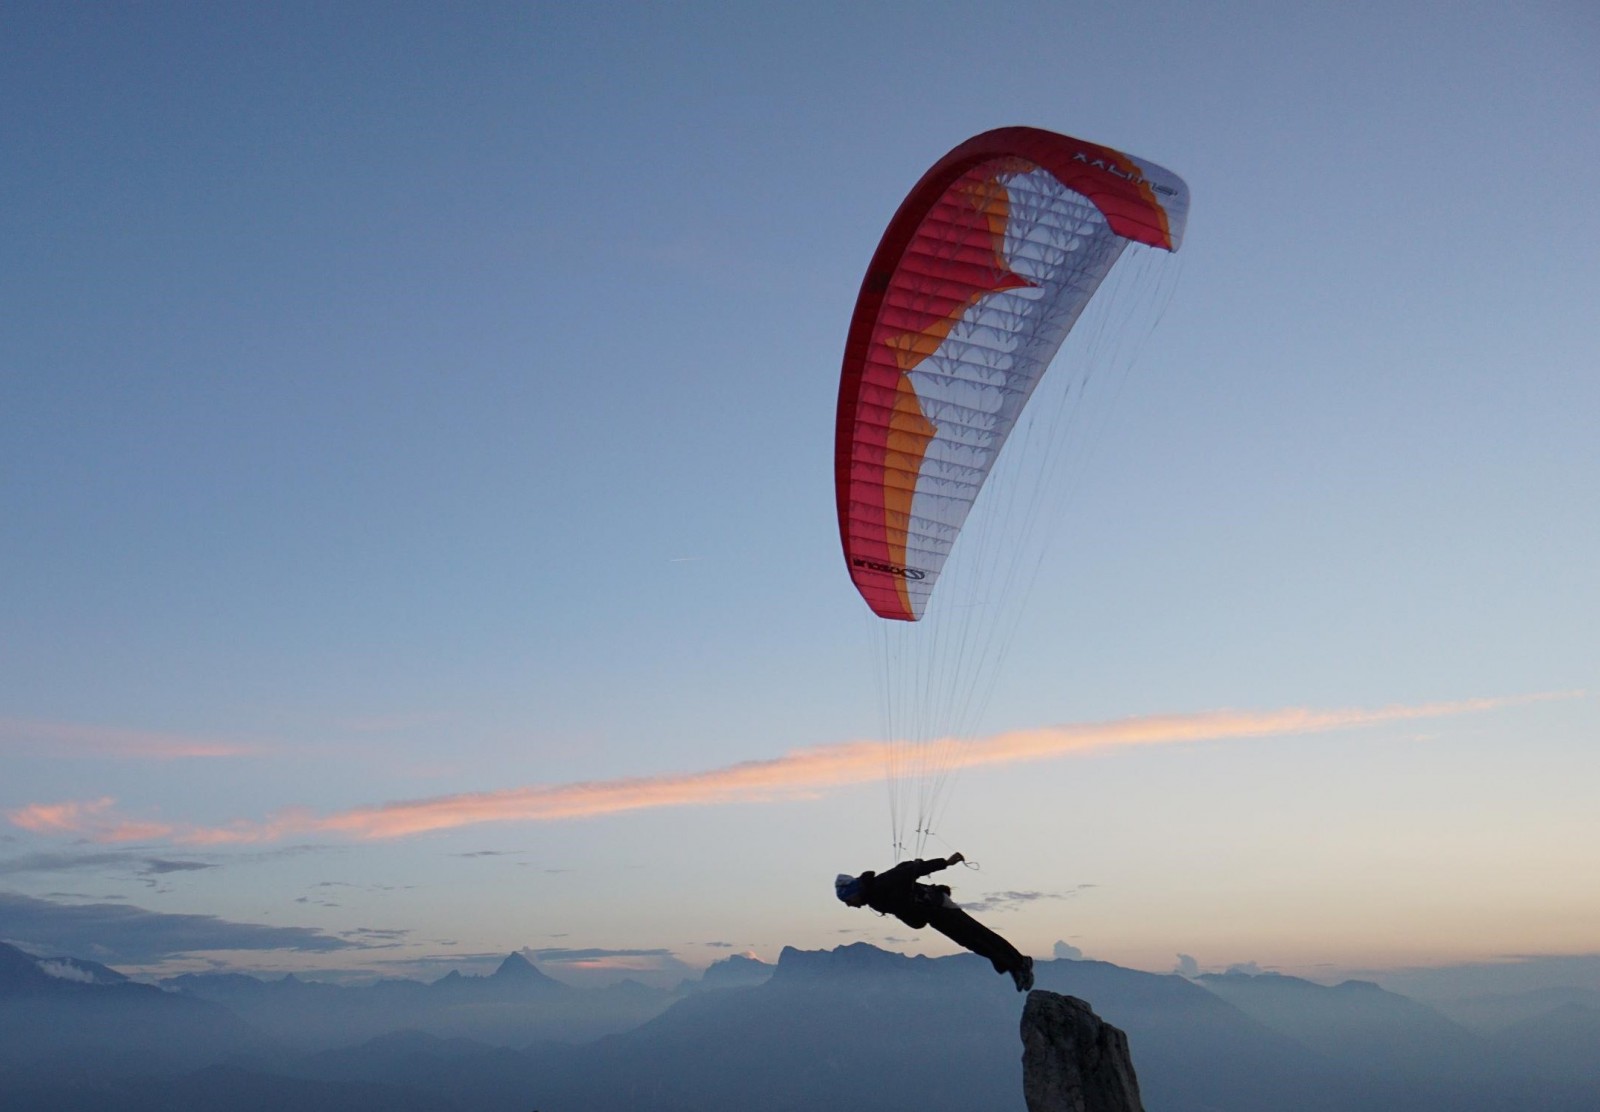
point(114, 933)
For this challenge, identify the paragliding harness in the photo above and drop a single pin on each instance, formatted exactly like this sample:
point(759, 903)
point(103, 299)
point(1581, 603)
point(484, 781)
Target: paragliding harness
point(913, 904)
point(932, 896)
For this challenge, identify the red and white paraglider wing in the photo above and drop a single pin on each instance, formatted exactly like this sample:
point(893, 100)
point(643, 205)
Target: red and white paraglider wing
point(980, 276)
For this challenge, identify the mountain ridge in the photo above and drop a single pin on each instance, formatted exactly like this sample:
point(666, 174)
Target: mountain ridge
point(851, 1028)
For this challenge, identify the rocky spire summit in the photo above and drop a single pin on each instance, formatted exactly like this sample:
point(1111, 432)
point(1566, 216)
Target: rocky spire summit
point(1072, 1060)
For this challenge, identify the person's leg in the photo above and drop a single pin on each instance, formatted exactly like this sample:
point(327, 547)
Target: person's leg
point(964, 930)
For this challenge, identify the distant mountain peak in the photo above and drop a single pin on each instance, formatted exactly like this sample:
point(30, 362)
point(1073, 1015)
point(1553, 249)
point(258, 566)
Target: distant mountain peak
point(736, 970)
point(19, 971)
point(517, 966)
point(854, 959)
point(515, 977)
point(748, 961)
point(1359, 986)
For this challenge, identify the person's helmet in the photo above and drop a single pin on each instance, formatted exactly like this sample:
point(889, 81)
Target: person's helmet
point(846, 887)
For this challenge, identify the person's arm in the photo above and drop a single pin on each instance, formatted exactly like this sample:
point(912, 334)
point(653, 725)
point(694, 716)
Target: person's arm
point(933, 865)
point(903, 875)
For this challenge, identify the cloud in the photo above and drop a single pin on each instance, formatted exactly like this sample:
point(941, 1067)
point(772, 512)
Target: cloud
point(157, 866)
point(66, 971)
point(138, 864)
point(93, 817)
point(1010, 901)
point(1248, 968)
point(77, 896)
point(798, 775)
point(60, 818)
point(597, 965)
point(123, 933)
point(1066, 952)
point(377, 936)
point(562, 955)
point(1187, 967)
point(69, 738)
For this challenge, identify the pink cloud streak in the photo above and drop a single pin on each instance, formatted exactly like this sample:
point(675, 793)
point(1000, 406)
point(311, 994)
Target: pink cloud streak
point(801, 774)
point(60, 818)
point(69, 737)
point(92, 817)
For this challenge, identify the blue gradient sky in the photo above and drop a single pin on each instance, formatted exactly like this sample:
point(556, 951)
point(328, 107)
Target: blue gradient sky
point(400, 402)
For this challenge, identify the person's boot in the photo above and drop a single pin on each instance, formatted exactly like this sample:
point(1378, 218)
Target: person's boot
point(1023, 975)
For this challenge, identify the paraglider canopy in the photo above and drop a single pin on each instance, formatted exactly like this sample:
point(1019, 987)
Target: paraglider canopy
point(977, 281)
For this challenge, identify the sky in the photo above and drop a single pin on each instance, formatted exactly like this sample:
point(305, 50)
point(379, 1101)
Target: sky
point(416, 471)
